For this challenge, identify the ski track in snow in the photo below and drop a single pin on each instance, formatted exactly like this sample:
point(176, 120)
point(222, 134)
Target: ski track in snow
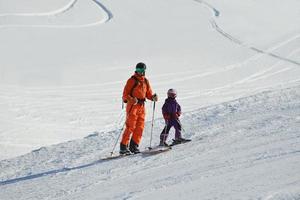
point(57, 13)
point(216, 13)
point(200, 75)
point(257, 75)
point(263, 74)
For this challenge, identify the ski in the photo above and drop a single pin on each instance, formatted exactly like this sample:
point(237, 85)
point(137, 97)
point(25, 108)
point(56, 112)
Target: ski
point(149, 151)
point(156, 150)
point(117, 156)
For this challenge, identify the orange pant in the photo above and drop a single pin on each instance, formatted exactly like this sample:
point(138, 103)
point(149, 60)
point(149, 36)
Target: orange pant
point(135, 123)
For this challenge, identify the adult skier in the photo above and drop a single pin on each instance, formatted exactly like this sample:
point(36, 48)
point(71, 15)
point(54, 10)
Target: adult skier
point(135, 93)
point(171, 111)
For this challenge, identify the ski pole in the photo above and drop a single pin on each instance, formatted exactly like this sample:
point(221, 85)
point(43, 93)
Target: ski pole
point(112, 151)
point(152, 124)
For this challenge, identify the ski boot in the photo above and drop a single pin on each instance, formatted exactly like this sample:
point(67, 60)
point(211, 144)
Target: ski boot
point(163, 144)
point(133, 147)
point(180, 141)
point(124, 149)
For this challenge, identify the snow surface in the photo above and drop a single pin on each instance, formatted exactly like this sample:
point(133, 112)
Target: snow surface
point(235, 65)
point(244, 149)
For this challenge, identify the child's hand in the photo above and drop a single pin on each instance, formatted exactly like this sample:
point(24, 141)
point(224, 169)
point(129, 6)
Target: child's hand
point(167, 116)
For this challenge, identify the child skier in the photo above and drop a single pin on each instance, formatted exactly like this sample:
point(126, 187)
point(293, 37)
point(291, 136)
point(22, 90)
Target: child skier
point(171, 111)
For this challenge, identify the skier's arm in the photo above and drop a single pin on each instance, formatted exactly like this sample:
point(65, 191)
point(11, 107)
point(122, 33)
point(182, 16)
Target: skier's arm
point(178, 111)
point(127, 89)
point(149, 93)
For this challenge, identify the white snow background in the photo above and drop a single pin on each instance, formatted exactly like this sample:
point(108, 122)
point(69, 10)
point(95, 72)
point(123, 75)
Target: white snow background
point(235, 65)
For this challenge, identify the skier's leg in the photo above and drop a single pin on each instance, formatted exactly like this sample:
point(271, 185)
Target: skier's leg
point(130, 125)
point(177, 127)
point(139, 128)
point(165, 132)
point(178, 137)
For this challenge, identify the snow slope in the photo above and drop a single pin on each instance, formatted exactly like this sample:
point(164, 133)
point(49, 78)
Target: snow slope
point(243, 149)
point(235, 65)
point(62, 69)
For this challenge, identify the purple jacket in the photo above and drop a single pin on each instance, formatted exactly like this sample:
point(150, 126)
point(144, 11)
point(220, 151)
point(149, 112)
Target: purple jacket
point(171, 109)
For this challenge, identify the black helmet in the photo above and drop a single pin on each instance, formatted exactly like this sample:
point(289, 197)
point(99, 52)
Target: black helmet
point(140, 68)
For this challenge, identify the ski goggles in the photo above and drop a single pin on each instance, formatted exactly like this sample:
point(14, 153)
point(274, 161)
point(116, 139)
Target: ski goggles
point(140, 70)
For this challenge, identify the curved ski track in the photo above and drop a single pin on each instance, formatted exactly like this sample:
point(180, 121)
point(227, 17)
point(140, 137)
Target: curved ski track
point(56, 13)
point(216, 13)
point(59, 11)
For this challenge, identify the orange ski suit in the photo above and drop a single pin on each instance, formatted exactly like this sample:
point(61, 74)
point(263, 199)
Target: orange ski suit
point(135, 120)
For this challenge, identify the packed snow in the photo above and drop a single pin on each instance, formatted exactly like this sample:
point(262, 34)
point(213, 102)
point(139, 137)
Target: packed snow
point(236, 68)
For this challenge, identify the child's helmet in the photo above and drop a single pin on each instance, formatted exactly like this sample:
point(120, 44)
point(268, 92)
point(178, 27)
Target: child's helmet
point(172, 93)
